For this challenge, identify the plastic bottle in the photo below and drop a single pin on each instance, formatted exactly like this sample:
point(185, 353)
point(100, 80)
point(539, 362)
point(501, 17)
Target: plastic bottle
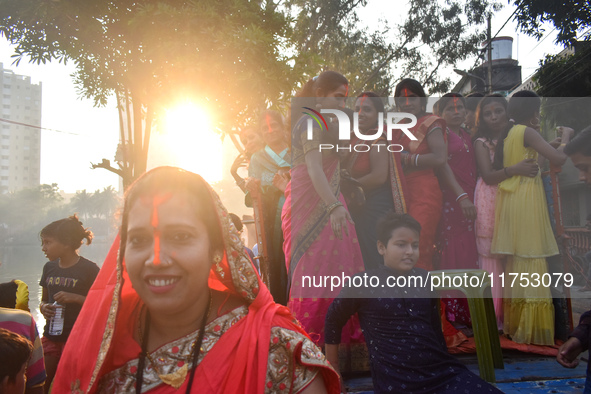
point(56, 325)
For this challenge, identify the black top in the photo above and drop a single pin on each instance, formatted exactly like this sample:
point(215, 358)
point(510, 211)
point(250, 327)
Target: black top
point(402, 329)
point(76, 279)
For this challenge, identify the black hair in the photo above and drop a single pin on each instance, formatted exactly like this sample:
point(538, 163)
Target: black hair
point(472, 100)
point(328, 81)
point(523, 105)
point(68, 231)
point(448, 98)
point(8, 294)
point(414, 86)
point(580, 144)
point(482, 129)
point(15, 351)
point(236, 220)
point(375, 100)
point(392, 221)
point(174, 180)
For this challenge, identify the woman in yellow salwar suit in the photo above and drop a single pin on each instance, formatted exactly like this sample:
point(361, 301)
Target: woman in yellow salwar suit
point(522, 224)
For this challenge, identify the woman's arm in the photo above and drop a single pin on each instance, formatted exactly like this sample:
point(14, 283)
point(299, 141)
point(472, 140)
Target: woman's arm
point(447, 177)
point(316, 386)
point(338, 214)
point(438, 148)
point(238, 162)
point(318, 178)
point(535, 140)
point(378, 174)
point(490, 176)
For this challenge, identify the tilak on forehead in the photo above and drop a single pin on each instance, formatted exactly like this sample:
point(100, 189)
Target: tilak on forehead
point(157, 200)
point(363, 98)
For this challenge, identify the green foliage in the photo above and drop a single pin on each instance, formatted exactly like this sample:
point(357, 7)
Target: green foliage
point(25, 212)
point(433, 35)
point(565, 83)
point(569, 17)
point(225, 52)
point(227, 56)
point(21, 211)
point(232, 57)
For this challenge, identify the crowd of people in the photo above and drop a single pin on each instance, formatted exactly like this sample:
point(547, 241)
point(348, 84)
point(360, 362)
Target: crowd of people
point(179, 303)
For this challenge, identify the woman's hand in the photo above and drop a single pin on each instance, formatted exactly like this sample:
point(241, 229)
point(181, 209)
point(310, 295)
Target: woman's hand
point(526, 167)
point(468, 209)
point(338, 221)
point(252, 184)
point(280, 181)
point(47, 310)
point(564, 131)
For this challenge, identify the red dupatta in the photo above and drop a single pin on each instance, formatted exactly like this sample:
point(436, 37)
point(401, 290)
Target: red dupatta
point(237, 363)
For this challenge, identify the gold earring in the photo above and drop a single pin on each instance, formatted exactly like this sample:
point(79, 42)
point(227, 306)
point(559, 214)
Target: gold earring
point(217, 259)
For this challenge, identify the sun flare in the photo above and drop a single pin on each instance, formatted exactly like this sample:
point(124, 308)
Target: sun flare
point(190, 142)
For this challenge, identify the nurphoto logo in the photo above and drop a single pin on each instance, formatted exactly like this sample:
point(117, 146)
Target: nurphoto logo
point(393, 120)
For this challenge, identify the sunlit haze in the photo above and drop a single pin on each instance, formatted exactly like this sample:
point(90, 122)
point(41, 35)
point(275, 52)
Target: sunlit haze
point(88, 134)
point(187, 141)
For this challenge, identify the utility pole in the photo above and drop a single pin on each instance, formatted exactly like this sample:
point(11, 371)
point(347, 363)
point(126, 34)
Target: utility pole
point(489, 50)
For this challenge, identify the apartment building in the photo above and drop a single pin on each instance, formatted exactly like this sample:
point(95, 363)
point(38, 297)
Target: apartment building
point(20, 133)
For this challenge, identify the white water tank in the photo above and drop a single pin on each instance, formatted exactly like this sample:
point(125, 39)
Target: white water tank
point(502, 48)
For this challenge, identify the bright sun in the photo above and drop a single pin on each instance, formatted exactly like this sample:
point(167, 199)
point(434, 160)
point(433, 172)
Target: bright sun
point(190, 142)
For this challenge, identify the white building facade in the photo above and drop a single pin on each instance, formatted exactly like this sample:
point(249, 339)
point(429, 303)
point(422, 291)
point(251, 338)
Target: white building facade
point(20, 133)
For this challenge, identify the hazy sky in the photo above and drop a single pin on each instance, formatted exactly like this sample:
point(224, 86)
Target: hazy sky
point(90, 134)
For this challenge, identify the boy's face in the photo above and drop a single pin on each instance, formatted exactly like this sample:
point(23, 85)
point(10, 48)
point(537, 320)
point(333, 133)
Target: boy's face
point(18, 385)
point(583, 163)
point(402, 251)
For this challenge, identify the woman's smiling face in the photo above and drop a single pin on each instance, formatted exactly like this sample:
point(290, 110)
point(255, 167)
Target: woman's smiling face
point(368, 115)
point(167, 254)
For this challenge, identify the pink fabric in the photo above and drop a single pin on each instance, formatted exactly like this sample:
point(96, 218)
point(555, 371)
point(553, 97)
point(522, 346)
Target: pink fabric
point(309, 239)
point(485, 200)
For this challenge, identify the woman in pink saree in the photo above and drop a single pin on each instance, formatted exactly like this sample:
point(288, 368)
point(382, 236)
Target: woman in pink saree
point(320, 238)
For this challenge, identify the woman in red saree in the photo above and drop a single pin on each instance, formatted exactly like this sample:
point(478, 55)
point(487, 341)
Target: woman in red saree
point(422, 158)
point(320, 238)
point(180, 307)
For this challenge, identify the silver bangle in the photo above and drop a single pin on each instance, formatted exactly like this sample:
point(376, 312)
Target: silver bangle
point(333, 206)
point(461, 195)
